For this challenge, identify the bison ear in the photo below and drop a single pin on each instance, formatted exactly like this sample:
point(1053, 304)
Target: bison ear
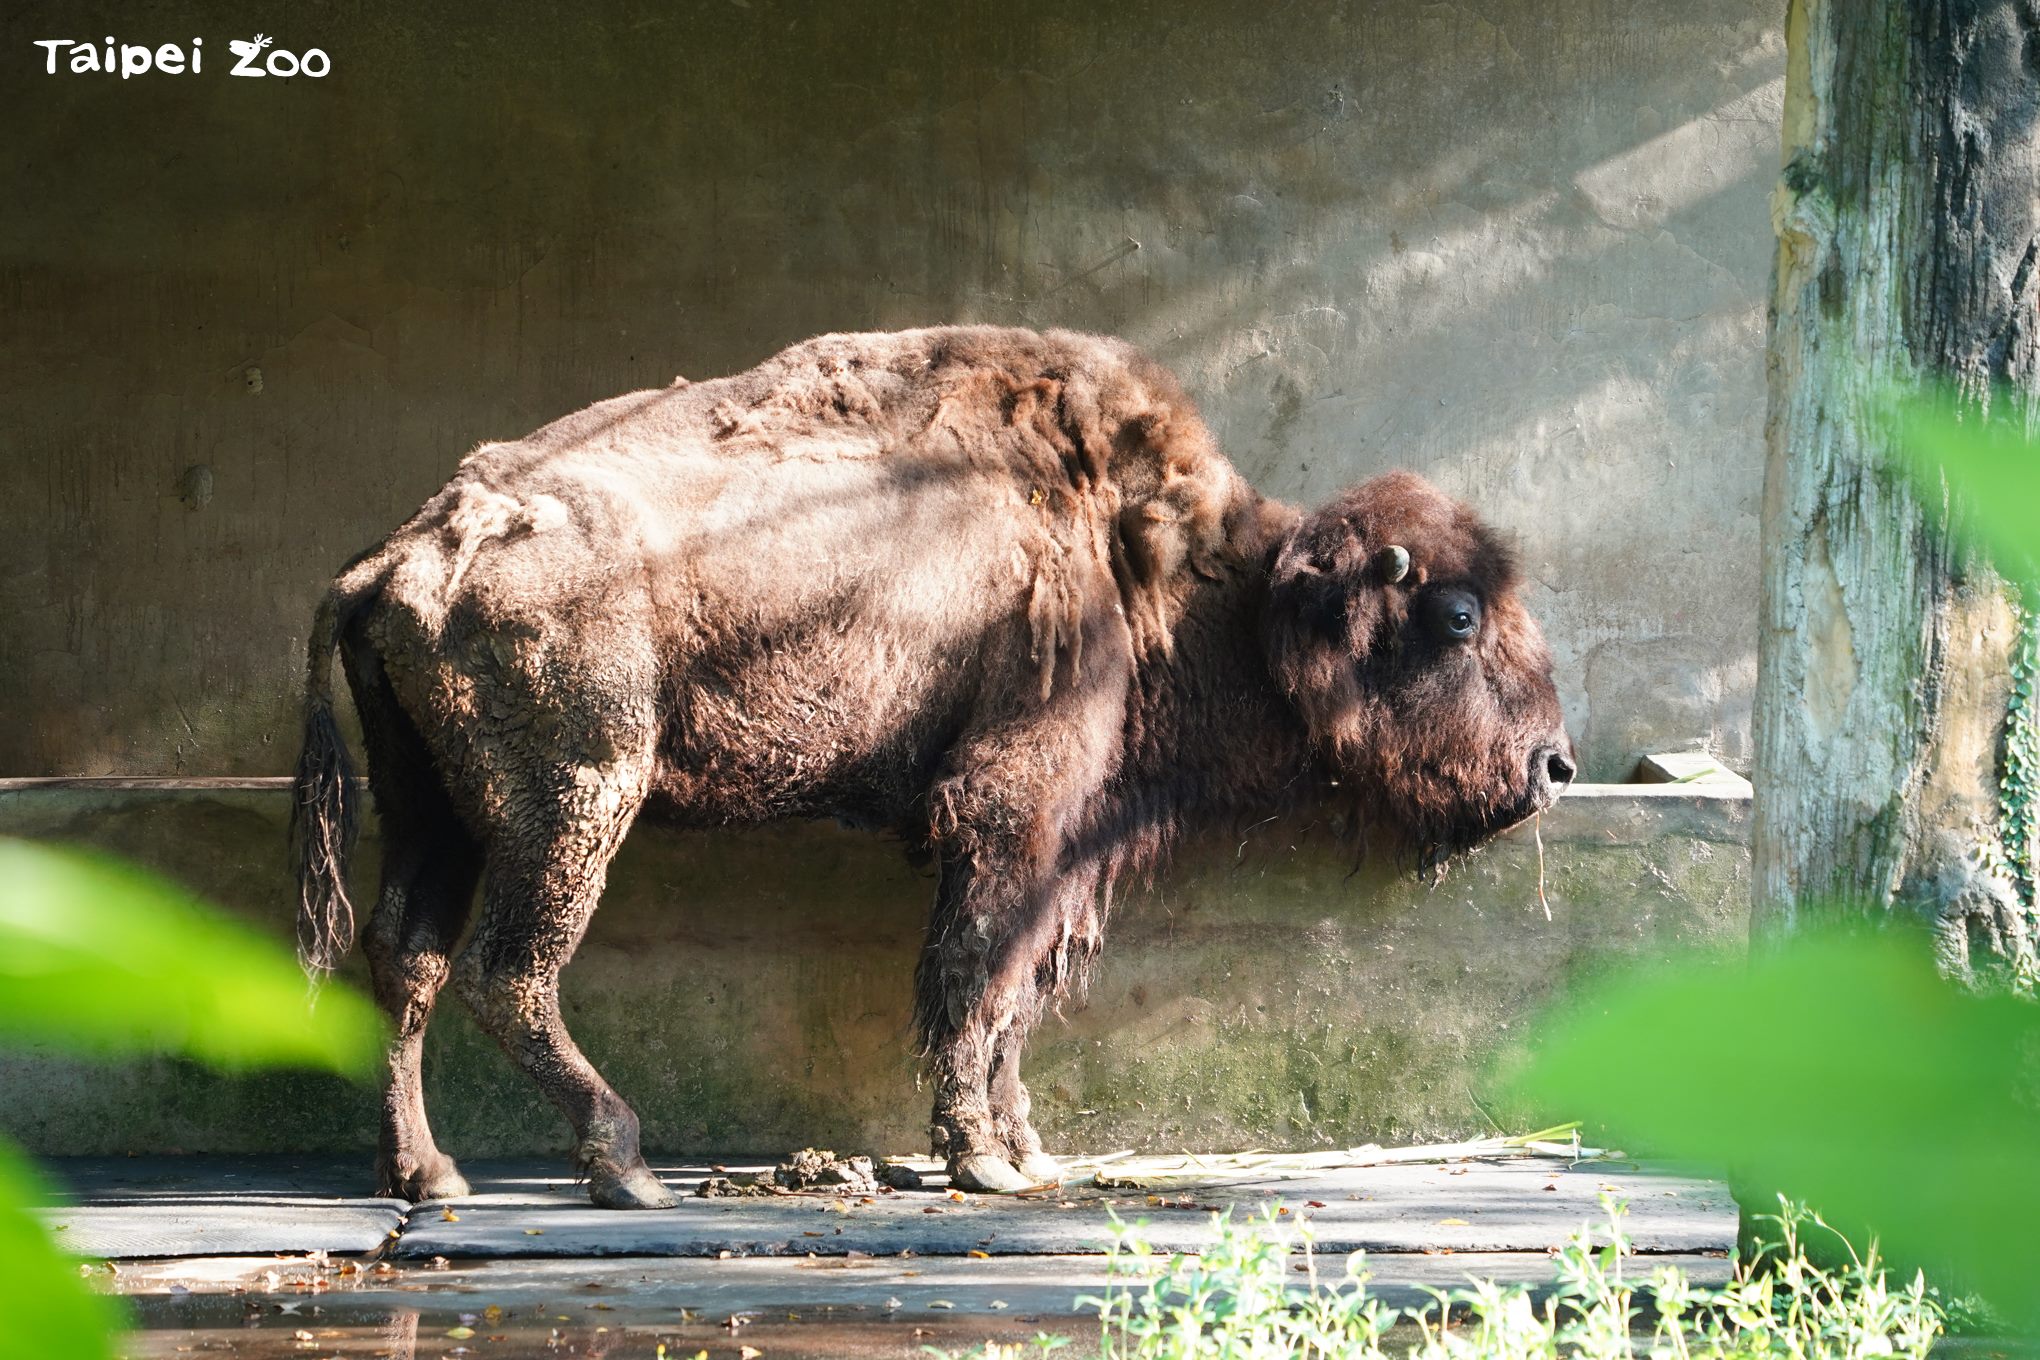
point(1318, 571)
point(1323, 602)
point(1302, 593)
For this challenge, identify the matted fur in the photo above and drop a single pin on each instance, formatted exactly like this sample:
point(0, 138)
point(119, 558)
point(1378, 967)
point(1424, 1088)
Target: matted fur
point(995, 591)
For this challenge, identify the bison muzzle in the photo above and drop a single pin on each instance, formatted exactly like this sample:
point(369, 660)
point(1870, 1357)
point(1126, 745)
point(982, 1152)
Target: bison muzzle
point(996, 592)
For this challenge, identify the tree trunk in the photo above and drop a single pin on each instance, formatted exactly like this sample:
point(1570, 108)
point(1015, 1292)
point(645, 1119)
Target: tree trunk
point(1907, 215)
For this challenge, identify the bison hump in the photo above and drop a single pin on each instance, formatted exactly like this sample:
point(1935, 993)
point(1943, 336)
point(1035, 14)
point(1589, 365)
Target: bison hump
point(1128, 456)
point(1093, 442)
point(1127, 488)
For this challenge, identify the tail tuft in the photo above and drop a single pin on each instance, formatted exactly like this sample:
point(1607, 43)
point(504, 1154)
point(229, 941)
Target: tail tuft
point(323, 817)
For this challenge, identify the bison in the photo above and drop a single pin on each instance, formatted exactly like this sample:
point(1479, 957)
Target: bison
point(995, 592)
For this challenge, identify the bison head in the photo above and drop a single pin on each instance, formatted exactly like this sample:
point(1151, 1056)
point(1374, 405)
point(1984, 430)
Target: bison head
point(1394, 629)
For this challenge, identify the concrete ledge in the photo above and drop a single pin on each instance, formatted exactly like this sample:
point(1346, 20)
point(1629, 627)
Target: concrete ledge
point(755, 985)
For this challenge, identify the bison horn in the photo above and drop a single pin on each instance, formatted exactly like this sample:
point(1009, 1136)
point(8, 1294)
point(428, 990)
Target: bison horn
point(1395, 563)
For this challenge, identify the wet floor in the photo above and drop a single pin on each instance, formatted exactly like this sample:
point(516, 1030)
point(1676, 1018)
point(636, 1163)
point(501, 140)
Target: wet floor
point(214, 1326)
point(310, 1307)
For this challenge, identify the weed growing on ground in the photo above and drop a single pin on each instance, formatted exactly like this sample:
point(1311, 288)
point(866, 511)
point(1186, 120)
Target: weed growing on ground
point(1237, 1299)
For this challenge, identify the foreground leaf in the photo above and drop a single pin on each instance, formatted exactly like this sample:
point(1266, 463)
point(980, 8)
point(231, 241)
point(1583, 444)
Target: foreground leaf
point(51, 1310)
point(104, 958)
point(1992, 466)
point(1837, 1069)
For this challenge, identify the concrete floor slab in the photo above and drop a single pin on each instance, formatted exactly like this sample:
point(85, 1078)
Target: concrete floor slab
point(217, 1207)
point(1511, 1206)
point(170, 1228)
point(195, 1206)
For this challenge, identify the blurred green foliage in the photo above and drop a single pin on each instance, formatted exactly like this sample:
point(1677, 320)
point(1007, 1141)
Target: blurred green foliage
point(1838, 1068)
point(1982, 474)
point(52, 1312)
point(104, 959)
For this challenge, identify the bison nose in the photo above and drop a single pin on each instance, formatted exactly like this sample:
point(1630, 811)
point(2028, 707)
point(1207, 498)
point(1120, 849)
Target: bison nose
point(1551, 769)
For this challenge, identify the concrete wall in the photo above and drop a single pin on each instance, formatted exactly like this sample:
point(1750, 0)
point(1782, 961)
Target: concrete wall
point(751, 992)
point(249, 325)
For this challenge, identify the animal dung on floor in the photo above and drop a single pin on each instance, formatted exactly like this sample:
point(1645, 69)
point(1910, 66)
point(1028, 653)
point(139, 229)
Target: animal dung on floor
point(810, 1169)
point(816, 1169)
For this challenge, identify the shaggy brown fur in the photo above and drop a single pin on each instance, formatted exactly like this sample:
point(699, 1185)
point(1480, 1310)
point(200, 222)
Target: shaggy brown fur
point(995, 591)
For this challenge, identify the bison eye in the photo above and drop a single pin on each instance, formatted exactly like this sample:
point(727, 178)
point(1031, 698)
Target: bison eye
point(1454, 614)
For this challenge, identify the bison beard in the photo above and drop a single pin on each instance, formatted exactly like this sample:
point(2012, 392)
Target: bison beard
point(995, 591)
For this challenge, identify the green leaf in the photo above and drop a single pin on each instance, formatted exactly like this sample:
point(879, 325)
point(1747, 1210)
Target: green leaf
point(105, 958)
point(1993, 468)
point(51, 1310)
point(1838, 1069)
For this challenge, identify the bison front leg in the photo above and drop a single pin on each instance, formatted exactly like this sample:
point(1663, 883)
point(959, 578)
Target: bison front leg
point(1019, 791)
point(1008, 909)
point(1064, 942)
point(1012, 1110)
point(968, 993)
point(544, 876)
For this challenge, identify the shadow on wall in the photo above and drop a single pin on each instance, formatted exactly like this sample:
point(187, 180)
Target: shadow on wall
point(259, 322)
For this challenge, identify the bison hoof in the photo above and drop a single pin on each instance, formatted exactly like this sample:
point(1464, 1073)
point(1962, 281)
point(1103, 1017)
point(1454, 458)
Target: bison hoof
point(1039, 1168)
point(635, 1188)
point(439, 1180)
point(986, 1174)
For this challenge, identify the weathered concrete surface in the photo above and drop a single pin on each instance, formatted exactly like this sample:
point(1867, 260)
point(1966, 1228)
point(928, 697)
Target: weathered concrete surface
point(155, 1206)
point(1521, 246)
point(239, 1226)
point(756, 985)
point(520, 1210)
point(1472, 1207)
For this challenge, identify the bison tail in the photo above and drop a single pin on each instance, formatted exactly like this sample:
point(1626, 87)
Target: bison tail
point(323, 815)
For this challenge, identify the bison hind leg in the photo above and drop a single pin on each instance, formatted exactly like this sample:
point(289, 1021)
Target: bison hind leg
point(545, 873)
point(430, 865)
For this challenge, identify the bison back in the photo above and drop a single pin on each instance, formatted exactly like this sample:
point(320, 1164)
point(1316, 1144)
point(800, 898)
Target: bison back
point(825, 562)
